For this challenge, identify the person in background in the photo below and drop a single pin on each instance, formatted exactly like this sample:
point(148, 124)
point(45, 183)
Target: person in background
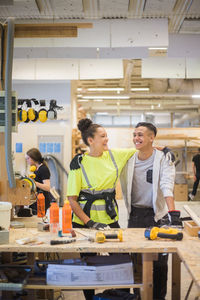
point(147, 183)
point(196, 174)
point(42, 178)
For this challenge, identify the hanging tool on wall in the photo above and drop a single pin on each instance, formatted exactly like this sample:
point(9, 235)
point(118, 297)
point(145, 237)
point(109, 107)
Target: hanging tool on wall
point(165, 233)
point(52, 113)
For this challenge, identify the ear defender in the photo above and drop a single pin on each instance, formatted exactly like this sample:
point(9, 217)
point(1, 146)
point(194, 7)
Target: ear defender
point(24, 116)
point(32, 114)
point(42, 114)
point(52, 114)
point(32, 169)
point(19, 114)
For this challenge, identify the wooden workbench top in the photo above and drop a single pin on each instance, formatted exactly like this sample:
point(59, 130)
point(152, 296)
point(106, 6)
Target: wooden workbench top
point(133, 241)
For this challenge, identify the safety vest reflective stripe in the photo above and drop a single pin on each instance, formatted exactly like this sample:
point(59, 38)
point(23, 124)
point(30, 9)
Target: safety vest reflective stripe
point(97, 207)
point(93, 192)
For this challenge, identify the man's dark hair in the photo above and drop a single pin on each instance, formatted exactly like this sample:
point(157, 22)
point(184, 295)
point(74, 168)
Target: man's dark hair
point(150, 126)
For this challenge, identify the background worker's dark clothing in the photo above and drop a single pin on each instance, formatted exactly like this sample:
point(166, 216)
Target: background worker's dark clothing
point(142, 218)
point(90, 293)
point(42, 173)
point(196, 161)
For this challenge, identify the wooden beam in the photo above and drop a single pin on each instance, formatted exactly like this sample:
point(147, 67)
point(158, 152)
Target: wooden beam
point(49, 30)
point(176, 137)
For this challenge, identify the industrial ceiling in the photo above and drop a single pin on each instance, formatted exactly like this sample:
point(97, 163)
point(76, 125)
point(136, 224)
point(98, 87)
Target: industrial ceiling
point(134, 92)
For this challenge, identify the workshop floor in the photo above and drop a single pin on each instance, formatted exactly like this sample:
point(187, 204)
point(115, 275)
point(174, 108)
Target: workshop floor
point(185, 277)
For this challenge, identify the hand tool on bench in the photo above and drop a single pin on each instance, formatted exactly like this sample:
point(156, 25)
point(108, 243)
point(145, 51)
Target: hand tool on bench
point(165, 233)
point(101, 237)
point(70, 240)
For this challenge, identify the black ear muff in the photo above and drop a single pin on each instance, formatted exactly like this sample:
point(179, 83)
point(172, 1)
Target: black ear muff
point(42, 115)
point(52, 114)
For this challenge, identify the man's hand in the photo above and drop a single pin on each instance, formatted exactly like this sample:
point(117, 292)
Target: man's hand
point(174, 216)
point(97, 225)
point(169, 154)
point(164, 221)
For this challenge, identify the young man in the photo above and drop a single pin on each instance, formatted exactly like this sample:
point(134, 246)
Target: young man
point(196, 174)
point(147, 184)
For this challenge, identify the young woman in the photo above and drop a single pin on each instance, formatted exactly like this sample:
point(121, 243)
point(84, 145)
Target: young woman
point(91, 182)
point(42, 179)
point(92, 179)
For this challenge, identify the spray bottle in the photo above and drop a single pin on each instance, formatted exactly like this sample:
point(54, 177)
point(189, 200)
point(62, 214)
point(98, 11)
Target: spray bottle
point(40, 205)
point(54, 217)
point(66, 217)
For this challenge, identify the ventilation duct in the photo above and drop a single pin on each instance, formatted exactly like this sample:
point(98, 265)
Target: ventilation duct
point(186, 117)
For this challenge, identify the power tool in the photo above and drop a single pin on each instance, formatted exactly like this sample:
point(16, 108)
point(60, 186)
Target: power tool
point(165, 233)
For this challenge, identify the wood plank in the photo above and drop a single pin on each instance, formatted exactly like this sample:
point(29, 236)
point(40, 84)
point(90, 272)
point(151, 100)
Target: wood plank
point(192, 214)
point(176, 277)
point(147, 276)
point(31, 31)
point(19, 195)
point(49, 30)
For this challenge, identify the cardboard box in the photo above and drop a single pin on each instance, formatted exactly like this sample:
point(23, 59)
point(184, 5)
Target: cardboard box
point(181, 192)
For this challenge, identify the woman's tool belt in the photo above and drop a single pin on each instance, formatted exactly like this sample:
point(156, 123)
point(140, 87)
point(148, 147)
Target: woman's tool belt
point(90, 198)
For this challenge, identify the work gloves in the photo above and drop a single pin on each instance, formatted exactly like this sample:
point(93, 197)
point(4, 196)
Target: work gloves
point(174, 218)
point(171, 219)
point(96, 225)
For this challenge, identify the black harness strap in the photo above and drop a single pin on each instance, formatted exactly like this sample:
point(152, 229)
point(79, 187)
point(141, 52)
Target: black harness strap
point(90, 198)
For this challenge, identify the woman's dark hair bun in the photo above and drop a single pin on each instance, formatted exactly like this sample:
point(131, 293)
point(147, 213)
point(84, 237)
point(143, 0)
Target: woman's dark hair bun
point(84, 124)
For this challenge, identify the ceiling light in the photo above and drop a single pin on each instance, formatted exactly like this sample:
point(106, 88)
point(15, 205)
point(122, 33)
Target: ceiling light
point(98, 100)
point(79, 96)
point(139, 89)
point(106, 97)
point(102, 113)
point(195, 96)
point(157, 48)
point(79, 89)
point(83, 100)
point(105, 89)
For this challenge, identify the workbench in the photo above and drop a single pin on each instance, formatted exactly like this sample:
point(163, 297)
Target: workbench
point(186, 251)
